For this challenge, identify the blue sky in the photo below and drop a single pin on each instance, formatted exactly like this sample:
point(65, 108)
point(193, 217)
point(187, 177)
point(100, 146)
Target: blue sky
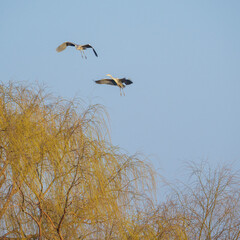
point(182, 56)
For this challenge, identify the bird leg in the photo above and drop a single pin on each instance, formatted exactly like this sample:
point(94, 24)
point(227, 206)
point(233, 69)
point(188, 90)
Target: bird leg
point(84, 55)
point(81, 53)
point(122, 92)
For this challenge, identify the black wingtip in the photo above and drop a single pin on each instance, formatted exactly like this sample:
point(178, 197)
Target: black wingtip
point(95, 52)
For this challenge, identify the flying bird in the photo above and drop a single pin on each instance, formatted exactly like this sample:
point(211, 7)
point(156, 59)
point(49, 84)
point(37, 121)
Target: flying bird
point(116, 82)
point(78, 47)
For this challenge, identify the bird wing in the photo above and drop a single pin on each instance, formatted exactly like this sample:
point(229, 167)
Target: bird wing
point(89, 46)
point(126, 81)
point(64, 45)
point(106, 81)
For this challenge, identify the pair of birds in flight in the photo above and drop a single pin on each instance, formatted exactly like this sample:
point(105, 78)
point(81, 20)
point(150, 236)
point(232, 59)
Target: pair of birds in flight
point(120, 82)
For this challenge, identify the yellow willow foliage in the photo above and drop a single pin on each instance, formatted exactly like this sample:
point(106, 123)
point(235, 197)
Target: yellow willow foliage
point(60, 178)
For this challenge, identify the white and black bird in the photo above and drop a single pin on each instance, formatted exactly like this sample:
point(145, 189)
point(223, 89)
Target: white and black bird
point(81, 48)
point(115, 82)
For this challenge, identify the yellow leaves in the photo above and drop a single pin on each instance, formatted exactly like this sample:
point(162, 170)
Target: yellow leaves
point(60, 178)
point(67, 174)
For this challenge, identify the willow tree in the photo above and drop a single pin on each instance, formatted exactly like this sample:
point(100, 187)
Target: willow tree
point(60, 177)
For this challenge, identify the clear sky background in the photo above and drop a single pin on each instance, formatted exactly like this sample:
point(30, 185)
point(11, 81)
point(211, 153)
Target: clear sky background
point(182, 56)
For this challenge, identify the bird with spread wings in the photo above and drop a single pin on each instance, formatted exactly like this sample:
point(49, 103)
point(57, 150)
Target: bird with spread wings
point(115, 82)
point(81, 48)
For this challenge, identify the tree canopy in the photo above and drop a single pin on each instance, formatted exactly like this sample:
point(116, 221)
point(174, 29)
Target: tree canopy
point(61, 178)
